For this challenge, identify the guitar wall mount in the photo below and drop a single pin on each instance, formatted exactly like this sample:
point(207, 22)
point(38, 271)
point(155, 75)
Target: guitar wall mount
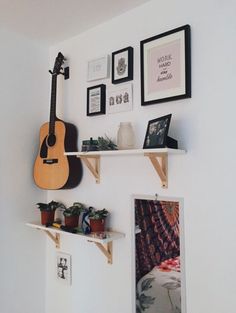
point(66, 72)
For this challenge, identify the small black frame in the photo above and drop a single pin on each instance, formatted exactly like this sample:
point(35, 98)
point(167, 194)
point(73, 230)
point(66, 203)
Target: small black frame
point(122, 65)
point(96, 100)
point(166, 66)
point(156, 134)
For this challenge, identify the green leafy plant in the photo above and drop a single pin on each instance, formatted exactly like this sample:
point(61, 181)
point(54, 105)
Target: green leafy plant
point(51, 206)
point(97, 214)
point(74, 210)
point(106, 144)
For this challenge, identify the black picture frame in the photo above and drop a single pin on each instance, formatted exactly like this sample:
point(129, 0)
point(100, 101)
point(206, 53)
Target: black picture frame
point(157, 131)
point(96, 100)
point(122, 65)
point(165, 62)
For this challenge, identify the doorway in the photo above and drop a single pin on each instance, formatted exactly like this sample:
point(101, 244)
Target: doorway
point(158, 255)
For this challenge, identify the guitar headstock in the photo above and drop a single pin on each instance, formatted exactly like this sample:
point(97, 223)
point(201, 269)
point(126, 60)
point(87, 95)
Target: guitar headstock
point(58, 63)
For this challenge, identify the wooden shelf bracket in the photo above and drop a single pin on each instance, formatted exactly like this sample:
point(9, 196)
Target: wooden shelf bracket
point(161, 166)
point(55, 239)
point(93, 165)
point(106, 250)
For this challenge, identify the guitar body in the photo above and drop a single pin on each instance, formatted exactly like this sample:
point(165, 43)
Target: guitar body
point(53, 169)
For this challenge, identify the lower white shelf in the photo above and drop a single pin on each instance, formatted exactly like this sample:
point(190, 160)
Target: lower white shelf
point(104, 244)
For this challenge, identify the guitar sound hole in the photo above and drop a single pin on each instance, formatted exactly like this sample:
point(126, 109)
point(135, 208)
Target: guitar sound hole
point(51, 140)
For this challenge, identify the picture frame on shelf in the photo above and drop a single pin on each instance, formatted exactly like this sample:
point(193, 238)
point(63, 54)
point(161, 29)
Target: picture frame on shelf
point(119, 98)
point(96, 100)
point(157, 131)
point(122, 65)
point(63, 268)
point(166, 66)
point(98, 68)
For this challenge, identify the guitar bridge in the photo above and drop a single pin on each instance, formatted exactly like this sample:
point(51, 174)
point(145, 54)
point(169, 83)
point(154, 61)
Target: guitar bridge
point(50, 161)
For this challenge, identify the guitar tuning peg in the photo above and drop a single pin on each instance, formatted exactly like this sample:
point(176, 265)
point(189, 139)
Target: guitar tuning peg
point(50, 72)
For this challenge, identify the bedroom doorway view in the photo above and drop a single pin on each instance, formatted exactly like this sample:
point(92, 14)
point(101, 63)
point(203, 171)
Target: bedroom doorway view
point(158, 256)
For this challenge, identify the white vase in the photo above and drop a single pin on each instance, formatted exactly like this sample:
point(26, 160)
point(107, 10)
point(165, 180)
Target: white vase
point(125, 136)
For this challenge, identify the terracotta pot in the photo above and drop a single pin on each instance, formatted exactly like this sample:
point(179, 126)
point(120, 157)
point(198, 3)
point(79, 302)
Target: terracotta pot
point(97, 225)
point(47, 217)
point(72, 221)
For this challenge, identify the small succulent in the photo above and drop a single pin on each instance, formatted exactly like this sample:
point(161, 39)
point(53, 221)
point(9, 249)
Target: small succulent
point(51, 206)
point(97, 214)
point(74, 210)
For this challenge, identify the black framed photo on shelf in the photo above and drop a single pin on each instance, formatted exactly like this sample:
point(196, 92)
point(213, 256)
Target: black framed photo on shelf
point(157, 131)
point(166, 66)
point(96, 100)
point(122, 65)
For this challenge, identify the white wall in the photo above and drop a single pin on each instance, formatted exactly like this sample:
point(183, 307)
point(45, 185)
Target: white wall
point(24, 101)
point(204, 177)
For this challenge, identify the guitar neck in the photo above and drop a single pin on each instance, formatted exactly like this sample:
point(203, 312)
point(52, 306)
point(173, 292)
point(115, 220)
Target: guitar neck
point(53, 105)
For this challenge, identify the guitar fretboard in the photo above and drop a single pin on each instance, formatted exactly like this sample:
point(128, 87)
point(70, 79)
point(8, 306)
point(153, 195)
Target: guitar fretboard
point(53, 104)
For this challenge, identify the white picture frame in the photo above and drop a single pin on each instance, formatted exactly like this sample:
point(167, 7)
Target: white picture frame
point(63, 268)
point(119, 99)
point(98, 68)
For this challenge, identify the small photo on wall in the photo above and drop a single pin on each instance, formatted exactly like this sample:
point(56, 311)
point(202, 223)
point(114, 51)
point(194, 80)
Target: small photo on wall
point(120, 99)
point(122, 65)
point(63, 267)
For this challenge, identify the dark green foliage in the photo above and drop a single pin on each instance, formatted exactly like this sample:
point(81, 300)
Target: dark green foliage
point(51, 206)
point(97, 214)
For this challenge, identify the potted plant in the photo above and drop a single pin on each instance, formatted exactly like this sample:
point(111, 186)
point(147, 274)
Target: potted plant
point(48, 211)
point(72, 213)
point(97, 219)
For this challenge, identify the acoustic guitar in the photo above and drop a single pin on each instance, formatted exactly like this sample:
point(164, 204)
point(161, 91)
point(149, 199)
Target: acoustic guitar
point(52, 169)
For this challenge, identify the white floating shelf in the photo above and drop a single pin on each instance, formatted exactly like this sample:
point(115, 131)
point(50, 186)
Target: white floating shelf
point(127, 152)
point(104, 244)
point(158, 158)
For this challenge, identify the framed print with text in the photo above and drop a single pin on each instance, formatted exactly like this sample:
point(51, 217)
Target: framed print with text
point(166, 66)
point(96, 100)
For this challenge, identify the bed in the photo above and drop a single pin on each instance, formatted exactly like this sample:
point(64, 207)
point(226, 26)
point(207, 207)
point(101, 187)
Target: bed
point(159, 291)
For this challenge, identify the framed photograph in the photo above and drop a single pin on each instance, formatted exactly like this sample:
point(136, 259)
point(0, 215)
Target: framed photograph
point(120, 99)
point(63, 266)
point(98, 68)
point(166, 66)
point(96, 100)
point(122, 65)
point(156, 134)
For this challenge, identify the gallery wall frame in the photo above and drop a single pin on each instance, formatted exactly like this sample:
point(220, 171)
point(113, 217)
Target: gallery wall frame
point(165, 62)
point(122, 65)
point(119, 98)
point(98, 68)
point(96, 100)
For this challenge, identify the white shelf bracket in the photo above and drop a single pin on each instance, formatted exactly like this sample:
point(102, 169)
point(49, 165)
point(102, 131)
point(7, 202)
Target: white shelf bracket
point(161, 166)
point(94, 166)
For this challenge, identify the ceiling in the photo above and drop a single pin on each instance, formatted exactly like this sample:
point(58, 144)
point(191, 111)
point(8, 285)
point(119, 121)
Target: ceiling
point(52, 21)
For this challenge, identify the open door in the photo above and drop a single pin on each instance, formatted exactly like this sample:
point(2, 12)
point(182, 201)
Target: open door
point(158, 256)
